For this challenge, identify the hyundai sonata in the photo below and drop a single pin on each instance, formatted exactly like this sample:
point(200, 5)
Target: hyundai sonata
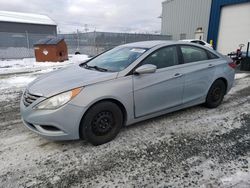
point(122, 86)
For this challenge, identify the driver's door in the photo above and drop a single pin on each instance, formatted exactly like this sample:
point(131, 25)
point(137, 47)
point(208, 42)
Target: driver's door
point(160, 90)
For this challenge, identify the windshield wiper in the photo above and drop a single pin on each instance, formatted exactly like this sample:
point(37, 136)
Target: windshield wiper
point(95, 67)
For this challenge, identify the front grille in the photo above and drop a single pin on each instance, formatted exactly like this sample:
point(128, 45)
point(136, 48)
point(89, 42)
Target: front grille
point(28, 98)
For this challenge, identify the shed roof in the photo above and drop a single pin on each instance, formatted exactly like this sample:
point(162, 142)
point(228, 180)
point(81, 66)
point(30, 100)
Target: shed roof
point(50, 41)
point(20, 17)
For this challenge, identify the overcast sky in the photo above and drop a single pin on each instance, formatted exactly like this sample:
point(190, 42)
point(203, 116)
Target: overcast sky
point(104, 15)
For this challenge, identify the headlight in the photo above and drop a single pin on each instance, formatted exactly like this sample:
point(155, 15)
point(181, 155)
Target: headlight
point(58, 100)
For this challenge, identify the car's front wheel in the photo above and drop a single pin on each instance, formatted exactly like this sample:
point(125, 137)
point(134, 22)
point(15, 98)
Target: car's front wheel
point(101, 123)
point(216, 94)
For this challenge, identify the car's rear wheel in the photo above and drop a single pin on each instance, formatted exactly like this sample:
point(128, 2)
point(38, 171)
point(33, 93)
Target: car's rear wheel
point(101, 123)
point(216, 94)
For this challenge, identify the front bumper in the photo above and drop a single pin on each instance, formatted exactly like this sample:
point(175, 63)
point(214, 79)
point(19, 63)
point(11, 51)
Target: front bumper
point(60, 124)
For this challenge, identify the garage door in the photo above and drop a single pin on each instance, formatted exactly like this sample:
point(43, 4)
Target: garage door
point(234, 27)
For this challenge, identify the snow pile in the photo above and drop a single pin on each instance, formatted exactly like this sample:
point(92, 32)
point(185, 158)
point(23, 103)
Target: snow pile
point(79, 58)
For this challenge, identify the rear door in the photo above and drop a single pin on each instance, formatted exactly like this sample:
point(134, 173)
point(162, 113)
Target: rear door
point(198, 73)
point(160, 90)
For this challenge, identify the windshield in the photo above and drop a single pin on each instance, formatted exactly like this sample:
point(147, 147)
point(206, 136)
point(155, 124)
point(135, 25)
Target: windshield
point(116, 59)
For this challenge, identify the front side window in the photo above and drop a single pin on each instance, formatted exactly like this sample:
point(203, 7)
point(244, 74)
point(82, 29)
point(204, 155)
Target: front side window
point(193, 54)
point(162, 58)
point(116, 59)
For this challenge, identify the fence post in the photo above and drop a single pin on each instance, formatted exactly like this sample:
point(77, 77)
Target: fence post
point(125, 40)
point(27, 39)
point(95, 43)
point(78, 40)
point(28, 43)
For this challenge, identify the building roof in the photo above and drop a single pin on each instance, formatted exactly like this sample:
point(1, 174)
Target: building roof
point(19, 17)
point(49, 41)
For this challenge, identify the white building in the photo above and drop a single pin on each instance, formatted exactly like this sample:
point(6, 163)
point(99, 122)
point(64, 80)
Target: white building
point(224, 23)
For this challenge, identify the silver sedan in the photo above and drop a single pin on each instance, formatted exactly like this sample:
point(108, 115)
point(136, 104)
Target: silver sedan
point(122, 86)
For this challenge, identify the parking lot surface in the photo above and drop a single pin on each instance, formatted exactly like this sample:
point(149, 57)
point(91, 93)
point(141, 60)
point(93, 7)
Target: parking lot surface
point(195, 147)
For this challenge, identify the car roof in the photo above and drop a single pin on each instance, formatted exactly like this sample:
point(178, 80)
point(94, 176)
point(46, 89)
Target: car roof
point(149, 44)
point(189, 40)
point(155, 43)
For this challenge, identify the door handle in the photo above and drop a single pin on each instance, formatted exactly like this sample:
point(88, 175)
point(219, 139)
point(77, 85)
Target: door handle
point(177, 75)
point(210, 66)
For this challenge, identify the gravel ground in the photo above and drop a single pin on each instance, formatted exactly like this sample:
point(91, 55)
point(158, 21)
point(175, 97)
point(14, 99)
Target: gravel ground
point(195, 147)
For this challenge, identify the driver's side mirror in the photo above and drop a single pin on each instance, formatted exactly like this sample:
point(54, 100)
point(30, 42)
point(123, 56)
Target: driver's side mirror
point(146, 69)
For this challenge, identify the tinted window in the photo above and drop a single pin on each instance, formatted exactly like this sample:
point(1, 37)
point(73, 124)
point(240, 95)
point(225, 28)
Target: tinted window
point(193, 54)
point(212, 56)
point(202, 43)
point(198, 42)
point(195, 41)
point(165, 57)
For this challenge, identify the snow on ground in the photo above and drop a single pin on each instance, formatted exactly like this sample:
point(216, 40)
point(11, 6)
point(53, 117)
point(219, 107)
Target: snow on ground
point(16, 81)
point(30, 65)
point(194, 147)
point(18, 73)
point(237, 180)
point(241, 75)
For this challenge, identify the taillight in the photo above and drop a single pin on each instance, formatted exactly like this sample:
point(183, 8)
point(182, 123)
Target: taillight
point(232, 65)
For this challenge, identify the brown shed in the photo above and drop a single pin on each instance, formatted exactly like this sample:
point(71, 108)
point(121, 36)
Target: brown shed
point(51, 49)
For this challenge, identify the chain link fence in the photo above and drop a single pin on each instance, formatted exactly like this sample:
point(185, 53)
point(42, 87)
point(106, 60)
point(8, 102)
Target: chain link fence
point(93, 43)
point(18, 45)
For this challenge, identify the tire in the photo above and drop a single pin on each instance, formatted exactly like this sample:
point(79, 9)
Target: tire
point(102, 123)
point(216, 94)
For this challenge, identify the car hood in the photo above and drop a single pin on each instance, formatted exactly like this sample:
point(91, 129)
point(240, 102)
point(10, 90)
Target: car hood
point(66, 79)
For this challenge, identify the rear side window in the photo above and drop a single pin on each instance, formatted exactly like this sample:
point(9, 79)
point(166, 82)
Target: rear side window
point(202, 43)
point(162, 58)
point(198, 42)
point(193, 54)
point(212, 55)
